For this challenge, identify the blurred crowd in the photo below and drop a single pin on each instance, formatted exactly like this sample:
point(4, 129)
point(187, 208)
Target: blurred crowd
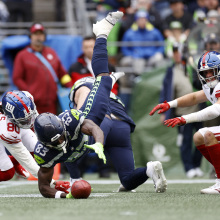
point(151, 33)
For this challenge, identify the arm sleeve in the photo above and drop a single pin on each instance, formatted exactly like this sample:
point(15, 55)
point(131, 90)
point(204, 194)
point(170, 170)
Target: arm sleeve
point(23, 156)
point(206, 114)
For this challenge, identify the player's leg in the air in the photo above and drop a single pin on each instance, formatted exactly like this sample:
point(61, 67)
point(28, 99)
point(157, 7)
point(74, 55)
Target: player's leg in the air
point(97, 102)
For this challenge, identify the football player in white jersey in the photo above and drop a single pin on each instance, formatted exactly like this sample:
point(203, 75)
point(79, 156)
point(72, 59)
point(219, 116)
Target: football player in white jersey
point(17, 115)
point(207, 140)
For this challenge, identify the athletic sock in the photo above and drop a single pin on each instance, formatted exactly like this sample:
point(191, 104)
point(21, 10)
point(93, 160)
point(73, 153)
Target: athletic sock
point(204, 151)
point(214, 152)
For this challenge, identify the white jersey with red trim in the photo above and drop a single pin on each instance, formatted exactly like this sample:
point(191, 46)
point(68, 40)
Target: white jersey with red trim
point(212, 96)
point(19, 142)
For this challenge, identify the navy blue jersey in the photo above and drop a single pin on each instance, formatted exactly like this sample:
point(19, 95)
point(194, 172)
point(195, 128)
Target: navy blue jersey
point(49, 157)
point(116, 106)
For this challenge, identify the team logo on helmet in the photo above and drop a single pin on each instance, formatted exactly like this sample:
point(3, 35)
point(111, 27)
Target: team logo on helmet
point(10, 108)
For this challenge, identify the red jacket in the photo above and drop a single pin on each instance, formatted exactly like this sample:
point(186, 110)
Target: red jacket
point(31, 75)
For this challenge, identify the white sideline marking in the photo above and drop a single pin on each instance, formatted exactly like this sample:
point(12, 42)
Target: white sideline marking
point(106, 182)
point(128, 213)
point(40, 196)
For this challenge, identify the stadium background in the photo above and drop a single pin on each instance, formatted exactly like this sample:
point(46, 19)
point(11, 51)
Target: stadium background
point(151, 140)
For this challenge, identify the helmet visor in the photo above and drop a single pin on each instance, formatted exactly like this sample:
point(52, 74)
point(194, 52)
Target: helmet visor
point(27, 122)
point(209, 76)
point(60, 143)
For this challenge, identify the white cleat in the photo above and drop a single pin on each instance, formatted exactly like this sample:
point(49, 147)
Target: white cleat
point(115, 76)
point(105, 26)
point(155, 172)
point(191, 173)
point(199, 172)
point(215, 189)
point(74, 180)
point(122, 189)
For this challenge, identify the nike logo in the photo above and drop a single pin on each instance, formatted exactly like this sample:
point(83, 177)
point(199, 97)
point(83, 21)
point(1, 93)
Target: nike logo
point(14, 136)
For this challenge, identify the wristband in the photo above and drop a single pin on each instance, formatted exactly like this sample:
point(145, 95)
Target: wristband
point(52, 185)
point(173, 104)
point(58, 194)
point(98, 143)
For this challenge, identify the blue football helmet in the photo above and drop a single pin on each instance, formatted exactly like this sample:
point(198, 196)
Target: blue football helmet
point(51, 131)
point(208, 68)
point(19, 107)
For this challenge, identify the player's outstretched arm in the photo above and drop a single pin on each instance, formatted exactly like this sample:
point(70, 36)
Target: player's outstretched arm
point(90, 128)
point(44, 180)
point(184, 101)
point(175, 121)
point(163, 107)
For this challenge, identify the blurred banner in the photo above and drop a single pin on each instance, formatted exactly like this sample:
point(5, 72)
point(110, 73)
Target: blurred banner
point(151, 139)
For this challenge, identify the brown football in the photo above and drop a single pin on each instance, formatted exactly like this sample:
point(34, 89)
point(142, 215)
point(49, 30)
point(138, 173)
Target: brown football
point(81, 189)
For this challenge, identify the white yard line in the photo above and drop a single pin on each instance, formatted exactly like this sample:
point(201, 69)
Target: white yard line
point(40, 196)
point(106, 182)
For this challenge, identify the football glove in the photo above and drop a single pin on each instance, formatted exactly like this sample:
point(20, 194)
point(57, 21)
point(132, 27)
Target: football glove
point(164, 107)
point(99, 149)
point(62, 186)
point(175, 121)
point(69, 196)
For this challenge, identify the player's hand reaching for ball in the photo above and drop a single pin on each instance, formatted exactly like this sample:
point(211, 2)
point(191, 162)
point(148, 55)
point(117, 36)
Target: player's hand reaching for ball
point(62, 186)
point(99, 149)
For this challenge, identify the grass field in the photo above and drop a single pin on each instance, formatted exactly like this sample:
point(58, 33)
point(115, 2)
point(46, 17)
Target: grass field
point(21, 200)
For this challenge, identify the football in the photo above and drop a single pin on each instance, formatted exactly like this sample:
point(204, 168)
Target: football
point(81, 189)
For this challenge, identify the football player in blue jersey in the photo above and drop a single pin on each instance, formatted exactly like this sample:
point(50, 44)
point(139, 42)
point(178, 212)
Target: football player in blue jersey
point(117, 142)
point(64, 138)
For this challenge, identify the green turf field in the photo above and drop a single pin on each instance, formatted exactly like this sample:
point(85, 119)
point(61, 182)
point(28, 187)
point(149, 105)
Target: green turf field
point(21, 200)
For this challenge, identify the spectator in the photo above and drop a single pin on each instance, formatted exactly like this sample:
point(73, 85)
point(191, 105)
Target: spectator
point(173, 88)
point(177, 36)
point(129, 18)
point(196, 5)
point(83, 66)
point(143, 31)
point(33, 71)
point(212, 5)
point(105, 6)
point(163, 7)
point(212, 17)
point(4, 14)
point(137, 57)
point(20, 10)
point(178, 14)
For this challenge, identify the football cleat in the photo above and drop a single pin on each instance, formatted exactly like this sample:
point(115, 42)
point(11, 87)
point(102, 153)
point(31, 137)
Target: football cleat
point(122, 189)
point(191, 173)
point(215, 189)
point(105, 26)
point(155, 172)
point(199, 172)
point(21, 172)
